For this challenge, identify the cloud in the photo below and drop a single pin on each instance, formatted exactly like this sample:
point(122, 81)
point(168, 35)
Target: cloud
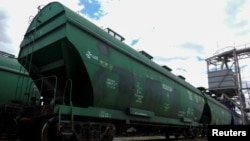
point(200, 58)
point(3, 27)
point(242, 67)
point(193, 46)
point(168, 59)
point(93, 9)
point(135, 41)
point(5, 38)
point(233, 10)
point(238, 20)
point(243, 33)
point(181, 69)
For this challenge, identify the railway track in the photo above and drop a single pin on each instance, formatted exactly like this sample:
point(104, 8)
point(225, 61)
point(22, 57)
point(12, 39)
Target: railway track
point(150, 138)
point(4, 137)
point(157, 138)
point(145, 139)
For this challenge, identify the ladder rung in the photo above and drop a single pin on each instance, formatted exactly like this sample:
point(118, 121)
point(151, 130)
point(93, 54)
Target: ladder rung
point(67, 133)
point(65, 121)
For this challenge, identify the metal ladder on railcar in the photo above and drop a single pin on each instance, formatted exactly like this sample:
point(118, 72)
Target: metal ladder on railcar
point(68, 132)
point(25, 63)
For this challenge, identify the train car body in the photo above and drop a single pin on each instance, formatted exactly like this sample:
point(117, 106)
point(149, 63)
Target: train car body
point(85, 74)
point(9, 70)
point(13, 92)
point(220, 114)
point(14, 84)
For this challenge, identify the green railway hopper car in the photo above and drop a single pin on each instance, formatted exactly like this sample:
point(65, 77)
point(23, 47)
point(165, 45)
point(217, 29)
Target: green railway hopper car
point(14, 92)
point(220, 114)
point(11, 88)
point(85, 74)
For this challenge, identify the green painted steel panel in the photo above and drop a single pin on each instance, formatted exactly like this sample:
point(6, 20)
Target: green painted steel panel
point(220, 113)
point(10, 89)
point(139, 112)
point(105, 72)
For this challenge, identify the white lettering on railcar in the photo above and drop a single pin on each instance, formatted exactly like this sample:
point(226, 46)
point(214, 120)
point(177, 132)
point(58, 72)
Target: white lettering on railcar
point(190, 112)
point(91, 56)
point(104, 64)
point(111, 83)
point(190, 95)
point(167, 87)
point(166, 106)
point(138, 93)
point(167, 101)
point(104, 114)
point(181, 113)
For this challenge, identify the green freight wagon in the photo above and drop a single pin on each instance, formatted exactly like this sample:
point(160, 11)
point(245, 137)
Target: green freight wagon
point(16, 90)
point(90, 77)
point(14, 81)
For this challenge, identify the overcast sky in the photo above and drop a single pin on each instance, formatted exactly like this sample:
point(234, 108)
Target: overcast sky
point(178, 33)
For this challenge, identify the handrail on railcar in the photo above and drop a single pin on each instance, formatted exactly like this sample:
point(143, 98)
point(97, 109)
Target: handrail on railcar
point(42, 84)
point(68, 84)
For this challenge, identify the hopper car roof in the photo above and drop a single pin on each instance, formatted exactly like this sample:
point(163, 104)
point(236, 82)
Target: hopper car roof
point(9, 63)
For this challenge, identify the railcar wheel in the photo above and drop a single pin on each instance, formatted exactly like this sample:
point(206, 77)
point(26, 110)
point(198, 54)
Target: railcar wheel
point(52, 131)
point(109, 135)
point(49, 130)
